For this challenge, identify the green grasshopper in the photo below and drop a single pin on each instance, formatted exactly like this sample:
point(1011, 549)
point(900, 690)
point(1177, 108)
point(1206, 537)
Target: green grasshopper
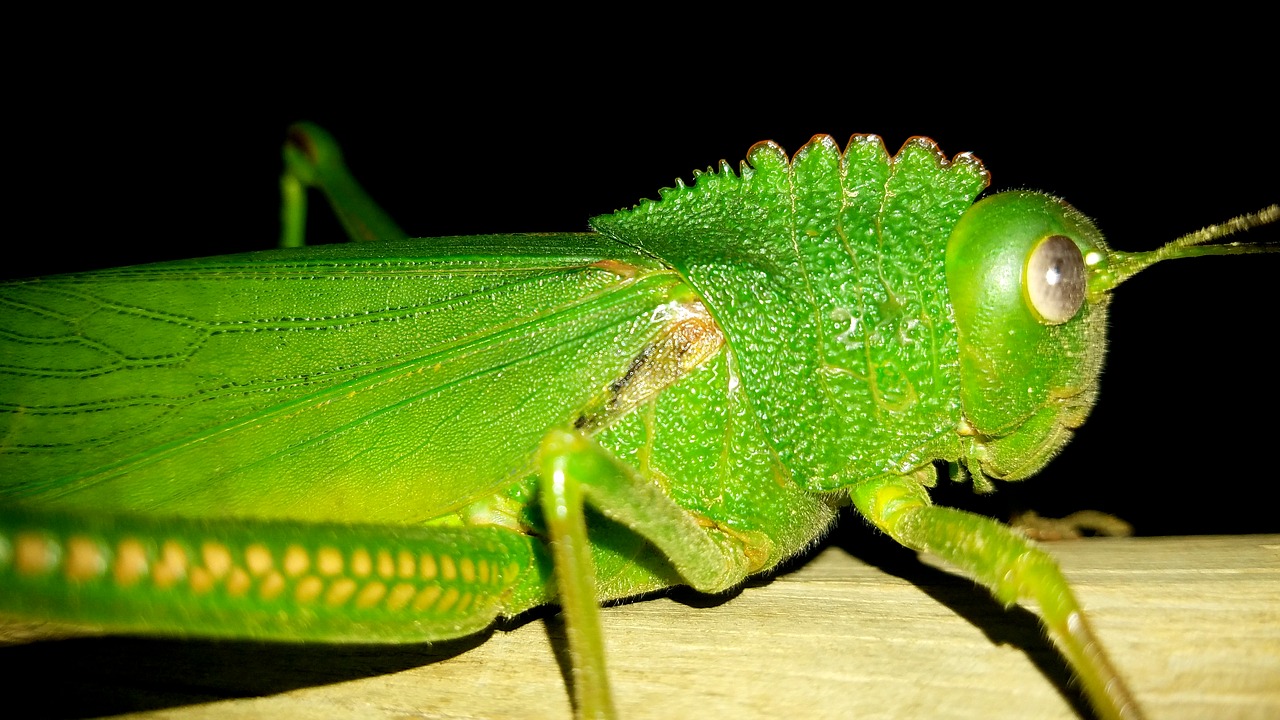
point(406, 440)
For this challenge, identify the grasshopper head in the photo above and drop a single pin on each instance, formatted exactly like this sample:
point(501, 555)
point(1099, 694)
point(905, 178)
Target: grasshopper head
point(1029, 279)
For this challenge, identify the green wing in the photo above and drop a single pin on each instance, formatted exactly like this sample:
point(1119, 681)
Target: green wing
point(425, 371)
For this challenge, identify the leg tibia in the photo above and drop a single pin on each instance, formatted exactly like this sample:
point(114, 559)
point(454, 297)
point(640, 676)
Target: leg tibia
point(710, 561)
point(575, 471)
point(1007, 564)
point(312, 159)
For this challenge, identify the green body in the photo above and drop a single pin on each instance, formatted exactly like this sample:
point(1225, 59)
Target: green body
point(178, 373)
point(361, 442)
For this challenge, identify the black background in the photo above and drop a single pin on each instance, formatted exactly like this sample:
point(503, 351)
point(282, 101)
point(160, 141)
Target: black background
point(139, 154)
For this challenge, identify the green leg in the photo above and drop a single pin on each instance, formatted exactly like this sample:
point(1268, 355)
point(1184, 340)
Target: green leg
point(575, 471)
point(312, 159)
point(293, 210)
point(258, 579)
point(1009, 565)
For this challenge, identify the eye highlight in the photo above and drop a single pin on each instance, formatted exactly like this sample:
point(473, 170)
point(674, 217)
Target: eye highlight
point(1054, 279)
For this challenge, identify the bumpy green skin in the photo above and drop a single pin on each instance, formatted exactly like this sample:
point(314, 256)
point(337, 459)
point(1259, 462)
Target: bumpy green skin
point(410, 382)
point(298, 387)
point(827, 274)
point(186, 447)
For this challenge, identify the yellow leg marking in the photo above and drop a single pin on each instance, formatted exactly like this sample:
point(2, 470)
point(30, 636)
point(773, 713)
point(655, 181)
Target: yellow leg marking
point(309, 589)
point(201, 579)
point(217, 558)
point(340, 592)
point(386, 566)
point(85, 558)
point(131, 562)
point(258, 558)
point(172, 567)
point(36, 553)
point(361, 563)
point(468, 569)
point(400, 596)
point(448, 570)
point(446, 602)
point(238, 583)
point(329, 561)
point(510, 573)
point(463, 603)
point(370, 595)
point(407, 565)
point(428, 566)
point(427, 598)
point(272, 586)
point(482, 570)
point(296, 561)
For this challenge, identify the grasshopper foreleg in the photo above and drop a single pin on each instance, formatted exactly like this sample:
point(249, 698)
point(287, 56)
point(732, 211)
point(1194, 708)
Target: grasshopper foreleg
point(575, 471)
point(1007, 564)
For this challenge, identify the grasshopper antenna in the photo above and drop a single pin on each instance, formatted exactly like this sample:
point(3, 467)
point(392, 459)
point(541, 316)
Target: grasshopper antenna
point(1122, 265)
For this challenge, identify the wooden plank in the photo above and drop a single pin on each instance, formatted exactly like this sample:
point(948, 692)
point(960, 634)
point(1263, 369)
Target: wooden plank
point(1194, 623)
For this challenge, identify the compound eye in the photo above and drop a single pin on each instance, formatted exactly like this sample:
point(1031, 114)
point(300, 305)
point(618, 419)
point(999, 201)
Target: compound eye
point(1055, 280)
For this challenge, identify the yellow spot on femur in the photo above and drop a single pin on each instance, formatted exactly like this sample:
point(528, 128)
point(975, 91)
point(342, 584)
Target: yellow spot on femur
point(131, 562)
point(36, 553)
point(329, 561)
point(86, 558)
point(468, 569)
point(163, 576)
point(296, 561)
point(386, 566)
point(201, 579)
point(407, 565)
point(428, 566)
point(448, 570)
point(446, 602)
point(482, 570)
point(400, 596)
point(340, 591)
point(370, 594)
point(172, 566)
point(361, 563)
point(217, 558)
point(258, 558)
point(426, 598)
point(308, 589)
point(238, 583)
point(510, 573)
point(463, 603)
point(271, 587)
